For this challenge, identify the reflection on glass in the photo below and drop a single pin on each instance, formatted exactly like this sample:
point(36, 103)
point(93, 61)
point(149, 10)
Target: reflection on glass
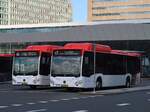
point(26, 66)
point(66, 66)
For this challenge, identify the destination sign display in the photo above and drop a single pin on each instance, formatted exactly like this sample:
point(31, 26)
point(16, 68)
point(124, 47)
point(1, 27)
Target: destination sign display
point(67, 52)
point(26, 54)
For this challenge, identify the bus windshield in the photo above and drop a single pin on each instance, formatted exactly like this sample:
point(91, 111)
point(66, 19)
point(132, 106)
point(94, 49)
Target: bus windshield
point(26, 65)
point(66, 66)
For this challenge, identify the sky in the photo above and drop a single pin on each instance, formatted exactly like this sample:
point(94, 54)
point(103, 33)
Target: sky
point(79, 10)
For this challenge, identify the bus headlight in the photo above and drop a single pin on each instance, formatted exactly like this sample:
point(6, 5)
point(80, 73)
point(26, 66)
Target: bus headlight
point(51, 82)
point(77, 83)
point(34, 81)
point(13, 80)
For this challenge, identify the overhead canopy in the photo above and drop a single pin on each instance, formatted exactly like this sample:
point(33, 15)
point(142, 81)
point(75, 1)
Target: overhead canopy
point(95, 32)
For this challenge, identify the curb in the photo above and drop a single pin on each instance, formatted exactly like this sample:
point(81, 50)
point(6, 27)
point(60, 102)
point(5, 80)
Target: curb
point(116, 91)
point(5, 82)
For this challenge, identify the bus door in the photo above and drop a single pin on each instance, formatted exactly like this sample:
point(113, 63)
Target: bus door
point(44, 70)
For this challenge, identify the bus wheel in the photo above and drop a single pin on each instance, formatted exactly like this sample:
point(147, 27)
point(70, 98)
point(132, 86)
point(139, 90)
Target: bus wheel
point(98, 84)
point(128, 83)
point(33, 86)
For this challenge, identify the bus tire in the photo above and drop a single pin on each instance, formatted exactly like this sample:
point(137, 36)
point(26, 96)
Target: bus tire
point(99, 84)
point(33, 86)
point(128, 82)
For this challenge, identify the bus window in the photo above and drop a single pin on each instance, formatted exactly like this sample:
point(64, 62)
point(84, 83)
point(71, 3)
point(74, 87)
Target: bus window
point(117, 64)
point(6, 68)
point(26, 66)
point(66, 66)
point(110, 64)
point(88, 64)
point(133, 65)
point(5, 65)
point(45, 64)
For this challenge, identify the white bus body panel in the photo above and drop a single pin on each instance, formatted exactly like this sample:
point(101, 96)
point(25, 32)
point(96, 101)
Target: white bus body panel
point(114, 80)
point(30, 80)
point(89, 82)
point(66, 82)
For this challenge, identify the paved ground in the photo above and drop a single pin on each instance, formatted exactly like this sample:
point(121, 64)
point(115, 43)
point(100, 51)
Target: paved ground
point(135, 102)
point(23, 99)
point(144, 82)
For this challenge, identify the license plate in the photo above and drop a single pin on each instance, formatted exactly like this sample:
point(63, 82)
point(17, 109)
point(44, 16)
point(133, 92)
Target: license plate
point(64, 85)
point(24, 83)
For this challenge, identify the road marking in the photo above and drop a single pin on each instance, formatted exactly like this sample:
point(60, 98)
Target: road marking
point(81, 111)
point(75, 98)
point(91, 96)
point(148, 93)
point(54, 100)
point(30, 103)
point(65, 99)
point(123, 104)
point(1, 107)
point(40, 110)
point(148, 99)
point(16, 105)
point(43, 101)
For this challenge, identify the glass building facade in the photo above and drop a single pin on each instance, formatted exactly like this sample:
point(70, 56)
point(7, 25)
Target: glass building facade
point(34, 11)
point(3, 12)
point(108, 10)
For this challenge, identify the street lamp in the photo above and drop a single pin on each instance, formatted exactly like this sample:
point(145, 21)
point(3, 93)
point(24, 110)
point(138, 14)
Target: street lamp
point(94, 50)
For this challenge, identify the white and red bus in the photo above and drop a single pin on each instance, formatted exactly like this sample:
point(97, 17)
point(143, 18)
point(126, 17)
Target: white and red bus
point(31, 66)
point(73, 66)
